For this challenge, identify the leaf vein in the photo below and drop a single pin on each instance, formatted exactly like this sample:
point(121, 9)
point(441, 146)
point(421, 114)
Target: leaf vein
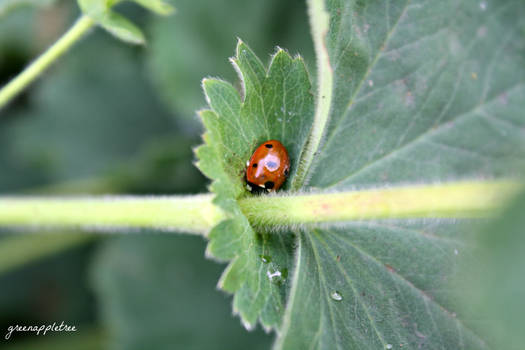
point(402, 279)
point(422, 136)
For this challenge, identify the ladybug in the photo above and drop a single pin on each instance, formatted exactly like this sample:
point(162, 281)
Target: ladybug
point(268, 167)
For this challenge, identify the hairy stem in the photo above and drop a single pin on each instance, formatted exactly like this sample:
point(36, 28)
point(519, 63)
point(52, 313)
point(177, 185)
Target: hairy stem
point(36, 68)
point(319, 22)
point(192, 214)
point(453, 200)
point(197, 214)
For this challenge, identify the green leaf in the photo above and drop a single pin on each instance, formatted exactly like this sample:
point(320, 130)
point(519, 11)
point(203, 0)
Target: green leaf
point(418, 92)
point(116, 24)
point(277, 103)
point(121, 27)
point(424, 91)
point(495, 282)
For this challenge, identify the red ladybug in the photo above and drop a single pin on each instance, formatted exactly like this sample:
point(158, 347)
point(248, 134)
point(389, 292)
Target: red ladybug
point(268, 167)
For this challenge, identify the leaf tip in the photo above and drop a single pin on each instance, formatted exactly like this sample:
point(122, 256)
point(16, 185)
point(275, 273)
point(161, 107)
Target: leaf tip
point(204, 81)
point(203, 113)
point(206, 84)
point(280, 55)
point(247, 325)
point(122, 28)
point(240, 43)
point(209, 82)
point(244, 50)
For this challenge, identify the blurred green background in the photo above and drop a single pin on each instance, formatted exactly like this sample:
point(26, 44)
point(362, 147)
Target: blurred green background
point(114, 118)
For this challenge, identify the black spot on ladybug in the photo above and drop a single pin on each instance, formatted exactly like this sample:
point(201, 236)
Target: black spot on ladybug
point(254, 165)
point(269, 185)
point(286, 172)
point(268, 145)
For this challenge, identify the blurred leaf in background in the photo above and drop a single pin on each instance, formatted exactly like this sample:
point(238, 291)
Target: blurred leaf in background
point(197, 41)
point(93, 112)
point(158, 292)
point(51, 291)
point(56, 288)
point(494, 286)
point(6, 6)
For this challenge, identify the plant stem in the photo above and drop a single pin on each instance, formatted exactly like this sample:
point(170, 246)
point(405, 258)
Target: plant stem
point(453, 200)
point(36, 68)
point(198, 214)
point(319, 19)
point(192, 214)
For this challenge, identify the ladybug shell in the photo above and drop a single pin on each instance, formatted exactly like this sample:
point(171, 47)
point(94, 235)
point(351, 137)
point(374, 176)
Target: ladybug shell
point(268, 166)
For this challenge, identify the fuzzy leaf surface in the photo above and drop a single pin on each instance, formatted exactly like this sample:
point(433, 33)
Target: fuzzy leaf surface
point(276, 103)
point(423, 92)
